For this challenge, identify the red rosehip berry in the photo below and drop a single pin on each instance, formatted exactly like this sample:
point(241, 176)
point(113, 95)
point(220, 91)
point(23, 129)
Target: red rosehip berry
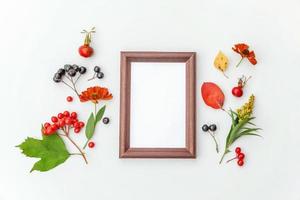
point(74, 115)
point(237, 91)
point(91, 144)
point(81, 124)
point(46, 125)
point(69, 99)
point(241, 156)
point(60, 116)
point(77, 130)
point(66, 114)
point(238, 150)
point(54, 119)
point(240, 163)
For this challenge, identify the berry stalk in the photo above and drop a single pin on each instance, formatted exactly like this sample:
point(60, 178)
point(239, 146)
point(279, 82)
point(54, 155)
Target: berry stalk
point(72, 141)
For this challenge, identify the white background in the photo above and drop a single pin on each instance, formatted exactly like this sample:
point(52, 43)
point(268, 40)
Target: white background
point(37, 37)
point(157, 116)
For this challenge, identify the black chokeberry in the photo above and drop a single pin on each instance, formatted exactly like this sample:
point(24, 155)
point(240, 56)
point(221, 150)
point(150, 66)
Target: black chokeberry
point(75, 67)
point(61, 71)
point(82, 70)
point(97, 69)
point(100, 75)
point(105, 120)
point(72, 72)
point(57, 78)
point(67, 67)
point(205, 128)
point(213, 127)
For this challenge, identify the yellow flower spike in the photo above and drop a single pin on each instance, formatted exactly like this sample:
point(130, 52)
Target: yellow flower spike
point(246, 110)
point(221, 62)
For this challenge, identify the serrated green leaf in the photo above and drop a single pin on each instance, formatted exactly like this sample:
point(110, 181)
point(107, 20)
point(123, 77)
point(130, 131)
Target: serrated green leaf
point(100, 114)
point(90, 127)
point(32, 147)
point(51, 149)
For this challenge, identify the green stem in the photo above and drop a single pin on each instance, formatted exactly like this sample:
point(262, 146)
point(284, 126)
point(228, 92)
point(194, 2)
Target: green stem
point(225, 152)
point(239, 62)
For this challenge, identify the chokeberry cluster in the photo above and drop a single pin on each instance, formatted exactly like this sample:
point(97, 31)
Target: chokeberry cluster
point(240, 156)
point(63, 121)
point(72, 73)
point(98, 73)
point(211, 130)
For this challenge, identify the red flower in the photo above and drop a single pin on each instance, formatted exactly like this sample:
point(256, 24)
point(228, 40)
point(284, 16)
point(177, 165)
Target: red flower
point(243, 50)
point(95, 94)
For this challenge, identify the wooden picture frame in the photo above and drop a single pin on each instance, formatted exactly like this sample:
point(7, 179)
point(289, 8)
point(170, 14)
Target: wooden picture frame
point(189, 149)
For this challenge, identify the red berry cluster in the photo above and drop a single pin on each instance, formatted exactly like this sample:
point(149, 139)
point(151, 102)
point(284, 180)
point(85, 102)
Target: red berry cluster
point(240, 156)
point(63, 121)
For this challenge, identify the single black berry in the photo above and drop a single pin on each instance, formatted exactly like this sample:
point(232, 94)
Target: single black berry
point(82, 70)
point(213, 127)
point(205, 128)
point(76, 67)
point(67, 67)
point(61, 71)
point(57, 78)
point(105, 120)
point(97, 69)
point(72, 72)
point(100, 75)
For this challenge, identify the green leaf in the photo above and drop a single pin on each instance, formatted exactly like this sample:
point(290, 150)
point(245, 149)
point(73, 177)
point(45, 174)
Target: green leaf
point(51, 149)
point(100, 114)
point(253, 134)
point(90, 127)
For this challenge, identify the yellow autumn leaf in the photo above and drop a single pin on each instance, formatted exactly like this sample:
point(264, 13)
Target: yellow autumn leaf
point(221, 62)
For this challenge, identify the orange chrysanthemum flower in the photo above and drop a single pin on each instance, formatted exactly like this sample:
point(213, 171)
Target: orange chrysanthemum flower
point(95, 94)
point(243, 50)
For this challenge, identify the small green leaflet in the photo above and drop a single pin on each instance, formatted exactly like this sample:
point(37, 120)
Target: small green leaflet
point(51, 149)
point(92, 122)
point(100, 114)
point(90, 127)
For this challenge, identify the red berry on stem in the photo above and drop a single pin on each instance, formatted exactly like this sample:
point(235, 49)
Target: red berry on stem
point(241, 156)
point(69, 99)
point(74, 115)
point(61, 123)
point(54, 119)
point(81, 124)
point(68, 121)
point(91, 144)
point(238, 150)
point(240, 163)
point(77, 125)
point(48, 131)
point(77, 130)
point(54, 127)
point(66, 114)
point(46, 125)
point(60, 115)
point(237, 91)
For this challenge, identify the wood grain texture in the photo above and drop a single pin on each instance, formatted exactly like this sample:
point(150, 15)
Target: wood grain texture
point(189, 58)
